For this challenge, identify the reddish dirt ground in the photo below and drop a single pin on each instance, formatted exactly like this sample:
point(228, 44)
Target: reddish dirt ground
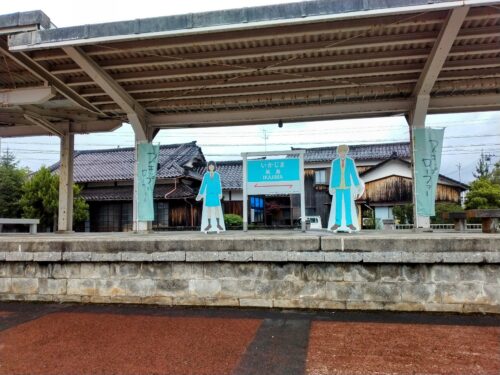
point(381, 348)
point(89, 343)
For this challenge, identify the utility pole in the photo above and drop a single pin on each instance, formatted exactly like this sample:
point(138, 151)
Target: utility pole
point(265, 138)
point(459, 166)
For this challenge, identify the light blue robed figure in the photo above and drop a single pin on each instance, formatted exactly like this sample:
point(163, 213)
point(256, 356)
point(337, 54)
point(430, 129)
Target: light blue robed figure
point(345, 188)
point(211, 193)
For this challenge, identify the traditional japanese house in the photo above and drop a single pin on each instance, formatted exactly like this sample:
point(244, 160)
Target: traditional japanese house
point(106, 177)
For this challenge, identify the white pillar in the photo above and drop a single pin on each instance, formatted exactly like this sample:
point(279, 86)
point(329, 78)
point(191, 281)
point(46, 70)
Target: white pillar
point(302, 192)
point(65, 215)
point(245, 193)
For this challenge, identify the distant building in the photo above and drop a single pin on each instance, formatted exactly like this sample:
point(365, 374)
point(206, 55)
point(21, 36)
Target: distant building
point(106, 177)
point(107, 180)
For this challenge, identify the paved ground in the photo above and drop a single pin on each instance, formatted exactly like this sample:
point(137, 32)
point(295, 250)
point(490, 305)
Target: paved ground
point(113, 339)
point(239, 234)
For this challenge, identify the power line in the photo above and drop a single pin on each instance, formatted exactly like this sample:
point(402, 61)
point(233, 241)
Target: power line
point(273, 144)
point(312, 131)
point(450, 147)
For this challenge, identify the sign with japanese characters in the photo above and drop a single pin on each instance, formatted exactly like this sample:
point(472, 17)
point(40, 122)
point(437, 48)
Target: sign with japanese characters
point(147, 159)
point(428, 144)
point(273, 176)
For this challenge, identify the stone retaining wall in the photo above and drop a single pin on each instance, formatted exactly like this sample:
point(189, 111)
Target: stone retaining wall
point(404, 287)
point(390, 271)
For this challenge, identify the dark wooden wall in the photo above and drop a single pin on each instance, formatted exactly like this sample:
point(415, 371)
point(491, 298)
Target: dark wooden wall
point(397, 189)
point(233, 207)
point(317, 198)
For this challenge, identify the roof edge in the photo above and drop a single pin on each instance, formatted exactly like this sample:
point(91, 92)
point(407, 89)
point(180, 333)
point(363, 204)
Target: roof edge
point(24, 19)
point(230, 19)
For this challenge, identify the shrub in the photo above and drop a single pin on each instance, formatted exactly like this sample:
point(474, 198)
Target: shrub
point(233, 220)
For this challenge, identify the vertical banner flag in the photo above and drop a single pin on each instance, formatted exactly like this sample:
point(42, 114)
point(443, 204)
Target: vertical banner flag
point(147, 160)
point(428, 144)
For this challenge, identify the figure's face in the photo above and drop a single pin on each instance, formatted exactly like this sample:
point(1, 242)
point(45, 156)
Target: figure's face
point(211, 168)
point(342, 151)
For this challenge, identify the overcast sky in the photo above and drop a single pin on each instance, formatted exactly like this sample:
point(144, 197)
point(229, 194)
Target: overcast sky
point(466, 134)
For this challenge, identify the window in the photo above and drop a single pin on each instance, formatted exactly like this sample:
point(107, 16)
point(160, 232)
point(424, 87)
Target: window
point(161, 214)
point(320, 177)
point(257, 209)
point(108, 217)
point(127, 221)
point(257, 203)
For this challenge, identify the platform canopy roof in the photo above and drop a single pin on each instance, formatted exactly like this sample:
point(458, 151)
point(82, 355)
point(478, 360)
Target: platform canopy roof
point(313, 60)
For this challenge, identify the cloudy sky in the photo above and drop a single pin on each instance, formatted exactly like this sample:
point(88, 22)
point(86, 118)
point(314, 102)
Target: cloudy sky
point(466, 135)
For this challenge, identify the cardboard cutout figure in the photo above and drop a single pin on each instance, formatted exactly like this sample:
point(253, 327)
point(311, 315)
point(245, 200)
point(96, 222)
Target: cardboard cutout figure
point(212, 219)
point(345, 188)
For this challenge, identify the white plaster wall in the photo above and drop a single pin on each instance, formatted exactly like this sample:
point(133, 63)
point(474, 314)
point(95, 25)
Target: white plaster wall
point(236, 195)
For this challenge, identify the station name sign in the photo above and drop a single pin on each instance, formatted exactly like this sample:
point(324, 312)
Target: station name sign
point(273, 176)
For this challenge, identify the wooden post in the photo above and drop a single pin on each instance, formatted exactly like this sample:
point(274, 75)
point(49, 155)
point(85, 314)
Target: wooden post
point(65, 216)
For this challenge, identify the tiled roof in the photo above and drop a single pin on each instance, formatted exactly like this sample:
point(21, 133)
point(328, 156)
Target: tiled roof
point(124, 193)
point(118, 164)
point(231, 173)
point(375, 151)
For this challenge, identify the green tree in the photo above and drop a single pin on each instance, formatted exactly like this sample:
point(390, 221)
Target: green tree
point(495, 173)
point(483, 193)
point(403, 213)
point(41, 199)
point(483, 167)
point(441, 208)
point(12, 179)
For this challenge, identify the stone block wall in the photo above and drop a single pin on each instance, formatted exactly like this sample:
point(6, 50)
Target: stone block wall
point(382, 286)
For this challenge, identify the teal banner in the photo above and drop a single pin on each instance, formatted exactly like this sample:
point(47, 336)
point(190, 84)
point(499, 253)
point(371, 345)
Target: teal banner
point(428, 145)
point(147, 159)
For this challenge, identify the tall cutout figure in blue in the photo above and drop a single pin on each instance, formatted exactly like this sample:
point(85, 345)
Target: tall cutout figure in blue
point(345, 188)
point(212, 219)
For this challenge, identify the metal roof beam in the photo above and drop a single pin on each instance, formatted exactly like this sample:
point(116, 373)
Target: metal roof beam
point(286, 114)
point(462, 103)
point(465, 103)
point(28, 95)
point(51, 114)
point(43, 123)
point(307, 62)
point(276, 94)
point(226, 68)
point(434, 64)
point(42, 73)
point(47, 127)
point(459, 80)
point(246, 79)
point(135, 112)
point(258, 52)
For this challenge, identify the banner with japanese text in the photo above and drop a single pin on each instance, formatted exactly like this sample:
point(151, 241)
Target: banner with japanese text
point(428, 144)
point(147, 159)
